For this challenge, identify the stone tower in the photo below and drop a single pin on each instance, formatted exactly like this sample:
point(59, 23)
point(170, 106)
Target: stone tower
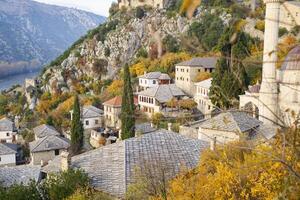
point(268, 96)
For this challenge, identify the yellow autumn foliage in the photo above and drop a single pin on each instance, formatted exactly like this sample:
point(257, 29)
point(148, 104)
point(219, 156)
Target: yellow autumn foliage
point(201, 76)
point(243, 171)
point(115, 88)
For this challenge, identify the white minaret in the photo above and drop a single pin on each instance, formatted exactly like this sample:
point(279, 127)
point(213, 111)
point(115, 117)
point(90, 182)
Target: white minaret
point(268, 97)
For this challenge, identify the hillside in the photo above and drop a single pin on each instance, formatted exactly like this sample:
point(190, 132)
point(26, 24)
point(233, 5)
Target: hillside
point(32, 33)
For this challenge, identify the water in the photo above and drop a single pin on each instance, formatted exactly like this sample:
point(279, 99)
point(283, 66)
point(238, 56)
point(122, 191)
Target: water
point(9, 81)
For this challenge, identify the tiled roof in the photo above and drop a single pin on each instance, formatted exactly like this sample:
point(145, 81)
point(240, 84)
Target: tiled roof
point(204, 84)
point(207, 62)
point(45, 130)
point(19, 174)
point(91, 112)
point(53, 166)
point(156, 75)
point(233, 121)
point(112, 168)
point(163, 93)
point(292, 60)
point(144, 128)
point(117, 101)
point(48, 143)
point(5, 150)
point(6, 125)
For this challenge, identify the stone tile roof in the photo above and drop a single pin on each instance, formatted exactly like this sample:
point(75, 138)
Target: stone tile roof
point(53, 166)
point(19, 174)
point(144, 128)
point(45, 130)
point(112, 168)
point(6, 125)
point(117, 101)
point(156, 75)
point(204, 84)
point(48, 143)
point(5, 150)
point(292, 60)
point(233, 121)
point(91, 112)
point(206, 62)
point(163, 93)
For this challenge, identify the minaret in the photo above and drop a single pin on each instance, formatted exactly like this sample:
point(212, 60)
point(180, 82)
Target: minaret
point(268, 97)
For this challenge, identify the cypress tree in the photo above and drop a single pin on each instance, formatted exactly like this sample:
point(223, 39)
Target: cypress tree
point(76, 128)
point(127, 110)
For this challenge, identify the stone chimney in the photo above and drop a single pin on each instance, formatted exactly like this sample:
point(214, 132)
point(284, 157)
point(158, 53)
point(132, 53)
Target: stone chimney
point(169, 126)
point(65, 161)
point(213, 144)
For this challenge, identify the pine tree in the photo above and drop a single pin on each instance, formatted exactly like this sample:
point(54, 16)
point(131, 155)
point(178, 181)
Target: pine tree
point(76, 128)
point(127, 110)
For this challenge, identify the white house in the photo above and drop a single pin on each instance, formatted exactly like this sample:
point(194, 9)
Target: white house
point(7, 155)
point(8, 131)
point(91, 117)
point(154, 99)
point(186, 72)
point(152, 79)
point(202, 98)
point(289, 14)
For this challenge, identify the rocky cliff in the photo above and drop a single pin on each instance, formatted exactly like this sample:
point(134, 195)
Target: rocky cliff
point(113, 44)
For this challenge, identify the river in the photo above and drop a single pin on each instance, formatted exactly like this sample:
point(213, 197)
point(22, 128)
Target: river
point(9, 81)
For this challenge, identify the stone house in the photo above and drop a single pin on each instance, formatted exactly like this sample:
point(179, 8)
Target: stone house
point(113, 168)
point(289, 14)
point(91, 117)
point(154, 100)
point(186, 72)
point(152, 79)
point(44, 130)
point(202, 97)
point(8, 131)
point(7, 155)
point(136, 3)
point(112, 111)
point(46, 148)
point(229, 126)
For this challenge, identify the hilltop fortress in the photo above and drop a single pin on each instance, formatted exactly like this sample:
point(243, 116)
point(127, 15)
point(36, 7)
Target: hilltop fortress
point(135, 3)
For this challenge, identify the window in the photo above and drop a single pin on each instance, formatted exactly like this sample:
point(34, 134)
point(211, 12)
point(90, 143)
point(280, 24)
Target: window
point(154, 82)
point(0, 159)
point(199, 70)
point(96, 121)
point(87, 122)
point(7, 134)
point(187, 70)
point(56, 152)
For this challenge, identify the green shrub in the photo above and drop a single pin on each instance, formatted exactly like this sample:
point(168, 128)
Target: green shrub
point(282, 31)
point(142, 53)
point(139, 12)
point(106, 52)
point(260, 25)
point(171, 44)
point(295, 30)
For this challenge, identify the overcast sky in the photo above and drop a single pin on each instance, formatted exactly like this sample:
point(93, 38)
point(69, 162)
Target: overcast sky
point(96, 6)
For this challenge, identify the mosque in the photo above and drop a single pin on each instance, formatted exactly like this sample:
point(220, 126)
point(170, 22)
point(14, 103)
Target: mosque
point(277, 99)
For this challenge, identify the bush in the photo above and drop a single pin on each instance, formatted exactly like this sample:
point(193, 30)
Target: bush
point(282, 31)
point(106, 52)
point(171, 44)
point(295, 30)
point(139, 12)
point(142, 53)
point(208, 30)
point(260, 25)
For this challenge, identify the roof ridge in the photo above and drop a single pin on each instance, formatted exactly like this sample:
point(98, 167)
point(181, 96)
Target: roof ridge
point(234, 121)
point(39, 141)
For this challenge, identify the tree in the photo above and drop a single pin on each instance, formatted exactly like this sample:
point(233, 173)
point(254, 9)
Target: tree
point(241, 170)
point(171, 44)
point(127, 110)
point(76, 128)
point(230, 78)
point(100, 67)
point(49, 121)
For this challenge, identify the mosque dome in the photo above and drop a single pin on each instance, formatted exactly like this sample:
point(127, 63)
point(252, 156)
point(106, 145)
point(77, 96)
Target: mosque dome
point(292, 60)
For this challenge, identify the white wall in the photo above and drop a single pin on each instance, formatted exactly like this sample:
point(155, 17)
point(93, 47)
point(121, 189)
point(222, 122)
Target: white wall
point(4, 137)
point(148, 83)
point(9, 159)
point(91, 123)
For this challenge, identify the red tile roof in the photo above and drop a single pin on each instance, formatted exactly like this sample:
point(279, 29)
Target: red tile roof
point(117, 101)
